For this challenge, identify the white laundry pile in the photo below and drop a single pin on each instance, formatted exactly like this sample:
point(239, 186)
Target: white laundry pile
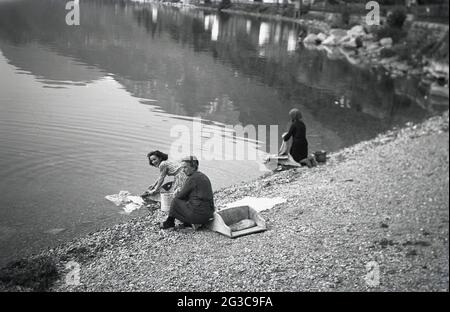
point(282, 158)
point(257, 203)
point(128, 201)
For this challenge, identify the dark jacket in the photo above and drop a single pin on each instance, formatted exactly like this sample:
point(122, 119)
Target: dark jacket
point(197, 196)
point(299, 148)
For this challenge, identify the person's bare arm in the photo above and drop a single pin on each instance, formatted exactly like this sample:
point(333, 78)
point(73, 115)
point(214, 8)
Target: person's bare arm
point(291, 132)
point(152, 185)
point(159, 182)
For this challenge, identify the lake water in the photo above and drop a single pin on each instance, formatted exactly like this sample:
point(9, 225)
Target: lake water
point(81, 106)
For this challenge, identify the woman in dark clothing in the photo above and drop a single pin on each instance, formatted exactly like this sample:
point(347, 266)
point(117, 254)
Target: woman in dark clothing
point(194, 204)
point(297, 130)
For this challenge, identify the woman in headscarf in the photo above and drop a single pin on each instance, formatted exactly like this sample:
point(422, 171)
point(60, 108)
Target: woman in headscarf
point(194, 204)
point(297, 130)
point(166, 168)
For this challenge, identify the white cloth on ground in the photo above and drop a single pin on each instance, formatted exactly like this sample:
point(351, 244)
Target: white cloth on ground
point(257, 203)
point(283, 157)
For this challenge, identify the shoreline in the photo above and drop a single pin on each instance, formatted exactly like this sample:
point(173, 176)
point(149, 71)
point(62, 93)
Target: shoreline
point(383, 200)
point(359, 44)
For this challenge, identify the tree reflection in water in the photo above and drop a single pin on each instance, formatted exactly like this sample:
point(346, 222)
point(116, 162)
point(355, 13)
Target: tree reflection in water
point(231, 69)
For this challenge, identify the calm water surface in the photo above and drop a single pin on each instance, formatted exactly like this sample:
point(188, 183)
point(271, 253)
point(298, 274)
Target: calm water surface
point(80, 107)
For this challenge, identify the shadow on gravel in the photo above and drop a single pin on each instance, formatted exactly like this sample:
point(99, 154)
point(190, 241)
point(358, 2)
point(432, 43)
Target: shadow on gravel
point(36, 274)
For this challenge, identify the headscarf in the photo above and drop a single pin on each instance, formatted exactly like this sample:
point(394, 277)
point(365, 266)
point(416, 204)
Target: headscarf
point(295, 114)
point(192, 160)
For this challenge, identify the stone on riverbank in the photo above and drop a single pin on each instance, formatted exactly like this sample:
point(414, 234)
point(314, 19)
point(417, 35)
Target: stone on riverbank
point(338, 33)
point(331, 41)
point(321, 37)
point(356, 31)
point(386, 42)
point(438, 70)
point(310, 39)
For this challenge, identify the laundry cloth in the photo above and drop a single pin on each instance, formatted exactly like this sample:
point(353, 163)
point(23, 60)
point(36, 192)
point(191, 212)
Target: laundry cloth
point(128, 202)
point(283, 157)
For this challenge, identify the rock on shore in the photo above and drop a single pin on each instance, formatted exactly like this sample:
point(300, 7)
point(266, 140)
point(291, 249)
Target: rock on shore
point(380, 206)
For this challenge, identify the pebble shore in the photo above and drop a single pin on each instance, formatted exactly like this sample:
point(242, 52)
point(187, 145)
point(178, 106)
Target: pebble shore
point(378, 206)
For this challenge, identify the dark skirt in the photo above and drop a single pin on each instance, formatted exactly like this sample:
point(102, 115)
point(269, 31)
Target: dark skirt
point(299, 150)
point(185, 212)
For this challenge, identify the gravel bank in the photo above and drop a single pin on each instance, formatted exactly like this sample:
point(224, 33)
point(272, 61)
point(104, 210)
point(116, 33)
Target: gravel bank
point(384, 200)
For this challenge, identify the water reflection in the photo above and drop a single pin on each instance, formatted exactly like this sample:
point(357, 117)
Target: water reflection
point(154, 15)
point(207, 21)
point(248, 26)
point(264, 33)
point(215, 28)
point(186, 83)
point(292, 41)
point(48, 66)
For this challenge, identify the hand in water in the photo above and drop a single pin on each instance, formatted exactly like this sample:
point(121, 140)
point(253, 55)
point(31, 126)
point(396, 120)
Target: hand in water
point(147, 193)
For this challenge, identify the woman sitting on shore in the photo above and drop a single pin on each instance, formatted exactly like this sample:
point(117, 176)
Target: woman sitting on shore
point(297, 130)
point(194, 204)
point(166, 168)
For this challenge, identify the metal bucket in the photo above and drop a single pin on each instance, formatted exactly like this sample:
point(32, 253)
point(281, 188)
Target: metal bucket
point(166, 200)
point(321, 156)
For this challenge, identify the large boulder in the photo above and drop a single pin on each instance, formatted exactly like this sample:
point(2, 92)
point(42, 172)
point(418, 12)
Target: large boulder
point(321, 37)
point(438, 70)
point(350, 44)
point(368, 37)
point(386, 42)
point(330, 41)
point(344, 39)
point(338, 33)
point(373, 46)
point(356, 31)
point(310, 39)
point(401, 66)
point(440, 91)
